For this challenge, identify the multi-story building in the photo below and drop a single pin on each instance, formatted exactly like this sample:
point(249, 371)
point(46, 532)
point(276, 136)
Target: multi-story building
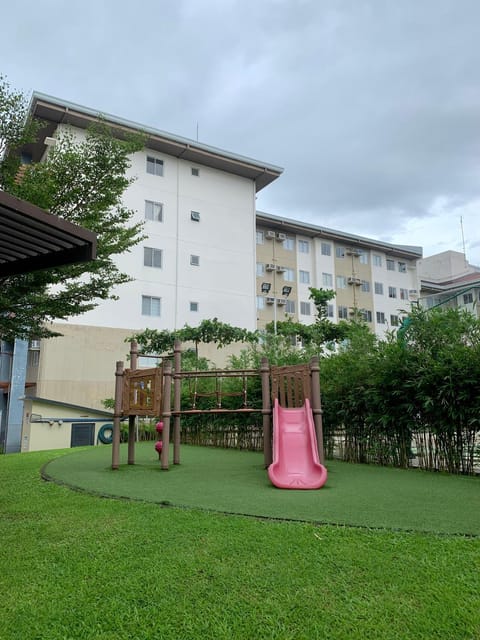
point(449, 280)
point(376, 279)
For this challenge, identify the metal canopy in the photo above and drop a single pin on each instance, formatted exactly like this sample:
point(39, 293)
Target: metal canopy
point(32, 239)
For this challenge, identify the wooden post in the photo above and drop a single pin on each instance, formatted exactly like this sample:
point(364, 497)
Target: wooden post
point(132, 419)
point(317, 406)
point(117, 414)
point(167, 389)
point(266, 412)
point(177, 399)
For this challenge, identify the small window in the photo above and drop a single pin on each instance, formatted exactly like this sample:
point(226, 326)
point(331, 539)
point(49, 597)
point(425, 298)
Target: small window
point(195, 216)
point(365, 286)
point(289, 244)
point(394, 321)
point(305, 308)
point(467, 298)
point(290, 306)
point(326, 249)
point(154, 166)
point(260, 302)
point(152, 257)
point(403, 294)
point(402, 267)
point(193, 306)
point(340, 252)
point(260, 237)
point(303, 246)
point(341, 282)
point(150, 306)
point(392, 292)
point(380, 317)
point(153, 211)
point(379, 288)
point(195, 260)
point(390, 265)
point(304, 277)
point(366, 315)
point(327, 280)
point(342, 312)
point(377, 260)
point(330, 310)
point(363, 258)
point(260, 269)
point(289, 275)
point(195, 171)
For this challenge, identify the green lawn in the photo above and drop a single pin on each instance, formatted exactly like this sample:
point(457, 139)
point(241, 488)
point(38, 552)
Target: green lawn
point(233, 481)
point(76, 566)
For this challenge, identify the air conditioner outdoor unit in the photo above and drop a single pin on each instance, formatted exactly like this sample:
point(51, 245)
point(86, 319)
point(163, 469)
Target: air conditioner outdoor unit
point(270, 235)
point(281, 302)
point(270, 300)
point(270, 267)
point(355, 281)
point(353, 252)
point(281, 237)
point(281, 269)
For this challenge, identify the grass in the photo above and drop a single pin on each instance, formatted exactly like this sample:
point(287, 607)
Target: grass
point(76, 566)
point(236, 482)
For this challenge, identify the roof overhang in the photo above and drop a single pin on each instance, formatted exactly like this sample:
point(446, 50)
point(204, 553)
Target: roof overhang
point(32, 239)
point(54, 111)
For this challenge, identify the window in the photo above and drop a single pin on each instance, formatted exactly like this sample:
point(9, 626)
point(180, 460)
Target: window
point(289, 244)
point(153, 211)
point(154, 166)
point(394, 321)
point(377, 260)
point(305, 308)
point(193, 306)
point(341, 282)
point(289, 275)
point(260, 302)
point(390, 265)
point(365, 286)
point(340, 252)
point(290, 306)
point(327, 280)
point(467, 298)
point(402, 267)
point(195, 216)
point(304, 277)
point(392, 292)
point(342, 312)
point(366, 315)
point(260, 269)
point(326, 249)
point(195, 171)
point(363, 257)
point(152, 257)
point(403, 294)
point(150, 306)
point(195, 260)
point(379, 288)
point(260, 237)
point(303, 246)
point(329, 310)
point(380, 317)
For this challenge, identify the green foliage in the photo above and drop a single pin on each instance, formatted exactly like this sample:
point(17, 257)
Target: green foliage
point(82, 182)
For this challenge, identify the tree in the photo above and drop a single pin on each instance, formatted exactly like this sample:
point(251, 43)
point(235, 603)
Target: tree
point(82, 182)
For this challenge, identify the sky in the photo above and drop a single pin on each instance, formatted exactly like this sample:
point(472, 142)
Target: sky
point(372, 107)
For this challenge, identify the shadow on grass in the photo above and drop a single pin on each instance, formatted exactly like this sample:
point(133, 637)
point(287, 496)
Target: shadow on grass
point(235, 482)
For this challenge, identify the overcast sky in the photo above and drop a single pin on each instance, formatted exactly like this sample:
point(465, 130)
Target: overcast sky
point(371, 106)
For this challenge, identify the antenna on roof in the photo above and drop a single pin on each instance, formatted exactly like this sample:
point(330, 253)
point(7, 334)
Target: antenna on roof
point(197, 131)
point(463, 239)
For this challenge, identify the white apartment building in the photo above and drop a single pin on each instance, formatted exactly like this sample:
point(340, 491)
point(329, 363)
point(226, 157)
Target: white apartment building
point(377, 279)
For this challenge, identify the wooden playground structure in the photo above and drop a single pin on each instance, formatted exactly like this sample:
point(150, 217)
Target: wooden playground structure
point(156, 392)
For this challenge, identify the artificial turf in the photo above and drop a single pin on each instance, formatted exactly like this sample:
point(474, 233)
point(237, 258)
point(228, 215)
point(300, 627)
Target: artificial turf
point(232, 481)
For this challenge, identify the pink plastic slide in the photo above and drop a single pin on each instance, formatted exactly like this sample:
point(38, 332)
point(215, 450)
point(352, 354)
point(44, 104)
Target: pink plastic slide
point(295, 455)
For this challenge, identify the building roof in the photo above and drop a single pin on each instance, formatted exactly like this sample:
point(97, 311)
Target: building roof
point(33, 239)
point(54, 111)
point(67, 405)
point(314, 231)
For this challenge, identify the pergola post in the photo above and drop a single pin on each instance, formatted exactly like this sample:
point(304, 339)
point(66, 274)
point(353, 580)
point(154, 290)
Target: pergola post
point(317, 405)
point(266, 412)
point(132, 419)
point(177, 400)
point(166, 413)
point(117, 414)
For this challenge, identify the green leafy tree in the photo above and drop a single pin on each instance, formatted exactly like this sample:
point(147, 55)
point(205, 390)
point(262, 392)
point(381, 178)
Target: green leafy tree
point(82, 182)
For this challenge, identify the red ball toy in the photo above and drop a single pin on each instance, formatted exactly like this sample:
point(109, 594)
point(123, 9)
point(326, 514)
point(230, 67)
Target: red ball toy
point(159, 427)
point(158, 446)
